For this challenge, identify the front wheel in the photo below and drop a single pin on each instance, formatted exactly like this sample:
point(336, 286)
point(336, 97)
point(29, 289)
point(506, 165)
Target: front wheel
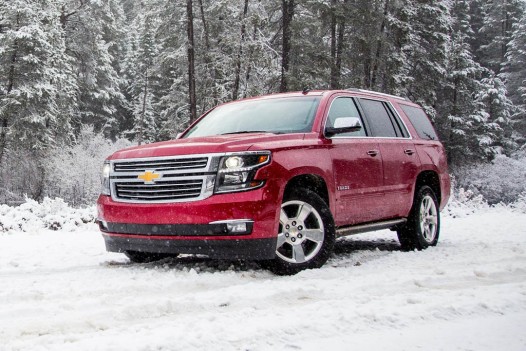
point(306, 233)
point(423, 225)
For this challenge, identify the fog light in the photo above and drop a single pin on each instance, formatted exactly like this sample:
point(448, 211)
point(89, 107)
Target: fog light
point(237, 227)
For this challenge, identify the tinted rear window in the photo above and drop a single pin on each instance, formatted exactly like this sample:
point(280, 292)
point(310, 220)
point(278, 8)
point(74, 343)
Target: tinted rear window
point(378, 118)
point(419, 120)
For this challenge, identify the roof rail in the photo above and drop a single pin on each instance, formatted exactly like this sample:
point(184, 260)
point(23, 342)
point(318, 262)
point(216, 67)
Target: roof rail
point(375, 92)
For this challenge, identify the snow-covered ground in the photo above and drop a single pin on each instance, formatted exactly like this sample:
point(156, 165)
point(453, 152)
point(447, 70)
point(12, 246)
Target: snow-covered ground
point(60, 290)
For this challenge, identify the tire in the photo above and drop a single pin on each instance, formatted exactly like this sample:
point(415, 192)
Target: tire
point(306, 233)
point(145, 257)
point(423, 225)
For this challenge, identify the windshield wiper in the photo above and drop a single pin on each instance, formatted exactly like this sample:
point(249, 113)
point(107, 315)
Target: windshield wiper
point(248, 131)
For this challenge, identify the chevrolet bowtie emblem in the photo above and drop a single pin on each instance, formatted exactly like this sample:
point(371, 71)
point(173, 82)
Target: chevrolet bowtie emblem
point(149, 177)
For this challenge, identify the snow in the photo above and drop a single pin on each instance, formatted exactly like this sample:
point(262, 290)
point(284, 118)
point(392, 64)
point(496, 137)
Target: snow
point(60, 290)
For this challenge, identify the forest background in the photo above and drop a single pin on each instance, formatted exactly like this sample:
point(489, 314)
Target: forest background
point(81, 78)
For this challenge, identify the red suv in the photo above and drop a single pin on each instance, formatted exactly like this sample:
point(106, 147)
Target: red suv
point(278, 178)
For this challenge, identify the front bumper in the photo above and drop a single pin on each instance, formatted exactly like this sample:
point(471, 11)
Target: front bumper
point(255, 249)
point(200, 227)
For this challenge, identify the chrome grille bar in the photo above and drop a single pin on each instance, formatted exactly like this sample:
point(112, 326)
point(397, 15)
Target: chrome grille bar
point(161, 165)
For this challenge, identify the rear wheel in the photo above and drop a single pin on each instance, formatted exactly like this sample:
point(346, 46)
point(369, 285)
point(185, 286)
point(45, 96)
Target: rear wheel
point(145, 257)
point(306, 233)
point(423, 226)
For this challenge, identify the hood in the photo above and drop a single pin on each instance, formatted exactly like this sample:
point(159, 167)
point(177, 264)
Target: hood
point(204, 145)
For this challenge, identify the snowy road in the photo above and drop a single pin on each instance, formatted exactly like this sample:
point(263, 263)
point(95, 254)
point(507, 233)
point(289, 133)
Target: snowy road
point(62, 291)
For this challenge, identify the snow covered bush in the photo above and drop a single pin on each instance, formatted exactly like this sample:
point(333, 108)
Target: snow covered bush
point(502, 180)
point(74, 173)
point(20, 175)
point(53, 214)
point(464, 202)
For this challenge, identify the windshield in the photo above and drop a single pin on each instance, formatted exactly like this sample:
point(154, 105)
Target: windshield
point(280, 115)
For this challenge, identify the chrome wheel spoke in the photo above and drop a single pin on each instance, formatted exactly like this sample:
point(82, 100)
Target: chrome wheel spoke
point(304, 212)
point(427, 205)
point(283, 218)
point(298, 255)
point(315, 235)
point(281, 240)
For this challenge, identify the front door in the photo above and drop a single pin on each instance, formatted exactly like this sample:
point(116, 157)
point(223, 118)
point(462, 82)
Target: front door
point(357, 165)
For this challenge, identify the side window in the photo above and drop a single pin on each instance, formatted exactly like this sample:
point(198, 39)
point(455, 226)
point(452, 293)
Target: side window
point(344, 107)
point(419, 120)
point(378, 118)
point(401, 129)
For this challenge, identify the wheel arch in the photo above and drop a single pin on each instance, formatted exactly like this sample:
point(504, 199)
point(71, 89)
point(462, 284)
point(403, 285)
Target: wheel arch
point(432, 180)
point(311, 182)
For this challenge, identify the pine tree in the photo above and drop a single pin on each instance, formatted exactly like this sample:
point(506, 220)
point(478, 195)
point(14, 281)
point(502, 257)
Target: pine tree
point(514, 74)
point(425, 51)
point(94, 37)
point(171, 67)
point(139, 72)
point(498, 19)
point(37, 91)
point(496, 135)
point(460, 114)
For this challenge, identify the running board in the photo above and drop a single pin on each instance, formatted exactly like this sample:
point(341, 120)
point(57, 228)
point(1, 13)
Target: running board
point(369, 227)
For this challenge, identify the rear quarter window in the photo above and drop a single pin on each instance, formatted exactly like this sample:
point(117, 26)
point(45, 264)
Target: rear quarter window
point(420, 121)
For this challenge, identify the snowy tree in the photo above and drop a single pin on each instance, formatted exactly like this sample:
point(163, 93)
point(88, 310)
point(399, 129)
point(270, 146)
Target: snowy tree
point(514, 74)
point(494, 34)
point(140, 76)
point(425, 51)
point(496, 136)
point(37, 91)
point(94, 40)
point(460, 114)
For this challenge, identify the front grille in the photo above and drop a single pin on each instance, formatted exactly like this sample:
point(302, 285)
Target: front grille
point(161, 190)
point(176, 179)
point(161, 165)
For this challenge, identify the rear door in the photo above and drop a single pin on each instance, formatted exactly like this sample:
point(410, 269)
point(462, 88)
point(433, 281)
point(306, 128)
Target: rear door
point(400, 160)
point(357, 166)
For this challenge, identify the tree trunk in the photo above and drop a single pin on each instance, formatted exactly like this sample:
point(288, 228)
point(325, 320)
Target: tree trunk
point(143, 112)
point(235, 90)
point(4, 121)
point(288, 13)
point(250, 55)
point(334, 74)
point(191, 61)
point(379, 45)
point(205, 25)
point(337, 36)
point(212, 71)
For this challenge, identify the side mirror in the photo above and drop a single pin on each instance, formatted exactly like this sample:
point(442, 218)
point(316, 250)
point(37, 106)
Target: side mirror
point(178, 136)
point(344, 125)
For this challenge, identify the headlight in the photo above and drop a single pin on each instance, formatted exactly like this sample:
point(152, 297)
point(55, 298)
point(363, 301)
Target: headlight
point(106, 178)
point(236, 172)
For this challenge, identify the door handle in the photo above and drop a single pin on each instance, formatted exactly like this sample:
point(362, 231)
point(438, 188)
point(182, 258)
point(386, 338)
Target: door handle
point(409, 151)
point(372, 153)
